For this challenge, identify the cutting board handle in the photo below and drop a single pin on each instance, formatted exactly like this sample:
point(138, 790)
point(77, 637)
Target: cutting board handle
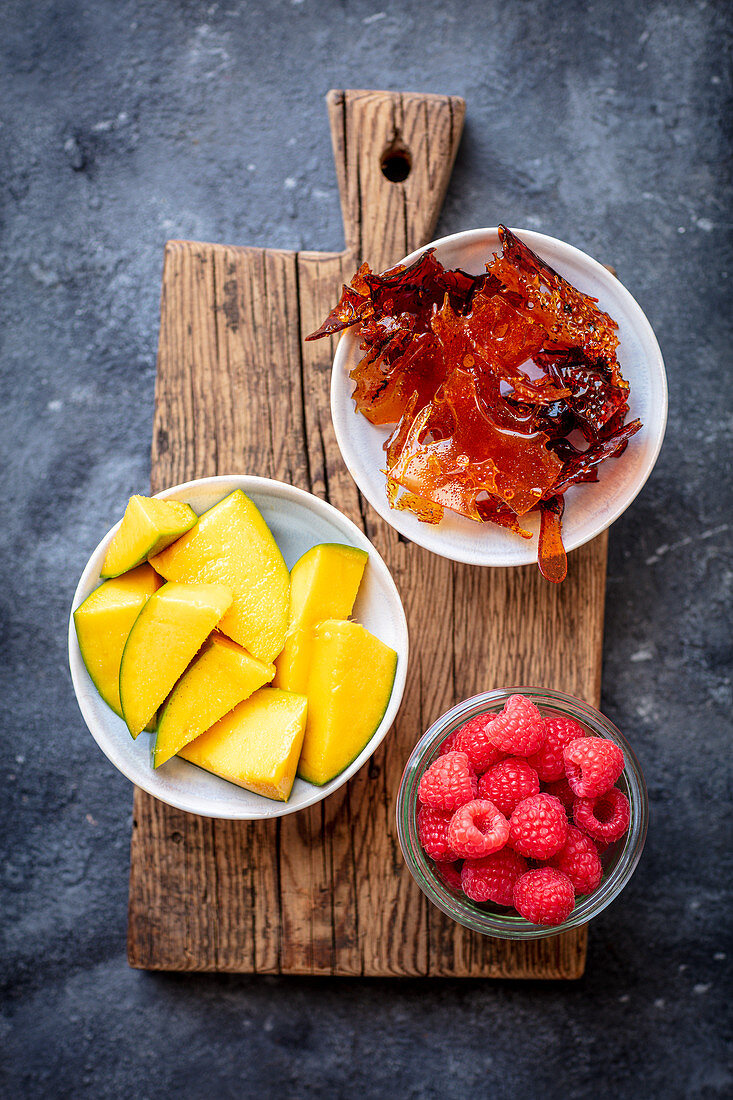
point(394, 153)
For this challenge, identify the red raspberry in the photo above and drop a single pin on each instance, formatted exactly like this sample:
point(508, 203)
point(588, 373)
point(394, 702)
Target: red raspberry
point(592, 765)
point(507, 783)
point(544, 896)
point(603, 818)
point(449, 744)
point(473, 739)
point(549, 762)
point(449, 874)
point(432, 831)
point(538, 828)
point(477, 829)
point(520, 729)
point(493, 878)
point(448, 783)
point(578, 859)
point(560, 790)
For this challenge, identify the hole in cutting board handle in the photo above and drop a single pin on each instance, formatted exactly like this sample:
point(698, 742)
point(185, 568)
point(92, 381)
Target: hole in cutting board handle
point(396, 163)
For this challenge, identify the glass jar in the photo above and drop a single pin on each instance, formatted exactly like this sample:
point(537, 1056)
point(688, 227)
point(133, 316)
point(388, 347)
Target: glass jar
point(619, 860)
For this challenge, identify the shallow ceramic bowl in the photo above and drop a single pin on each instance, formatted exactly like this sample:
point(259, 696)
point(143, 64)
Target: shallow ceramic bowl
point(590, 508)
point(298, 521)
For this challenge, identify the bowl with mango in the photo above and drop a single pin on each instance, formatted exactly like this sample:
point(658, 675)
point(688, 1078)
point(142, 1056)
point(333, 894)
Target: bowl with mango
point(237, 646)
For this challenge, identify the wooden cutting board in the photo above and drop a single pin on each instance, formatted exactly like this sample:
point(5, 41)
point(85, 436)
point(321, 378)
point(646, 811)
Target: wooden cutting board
point(325, 891)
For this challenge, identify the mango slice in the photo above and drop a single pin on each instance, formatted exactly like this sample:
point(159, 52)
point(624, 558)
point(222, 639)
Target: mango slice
point(103, 623)
point(147, 527)
point(323, 585)
point(256, 745)
point(222, 675)
point(232, 545)
point(349, 686)
point(166, 636)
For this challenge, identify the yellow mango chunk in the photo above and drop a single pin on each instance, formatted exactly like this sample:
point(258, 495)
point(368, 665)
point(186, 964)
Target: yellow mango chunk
point(222, 675)
point(349, 686)
point(166, 636)
point(147, 527)
point(257, 744)
point(232, 545)
point(323, 585)
point(103, 623)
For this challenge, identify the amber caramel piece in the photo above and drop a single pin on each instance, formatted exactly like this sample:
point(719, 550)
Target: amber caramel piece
point(477, 456)
point(551, 556)
point(540, 294)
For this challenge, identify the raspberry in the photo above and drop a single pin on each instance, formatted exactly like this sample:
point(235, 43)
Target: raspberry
point(520, 729)
point(477, 829)
point(492, 878)
point(560, 790)
point(472, 738)
point(449, 744)
point(448, 783)
point(592, 765)
point(538, 828)
point(449, 874)
point(604, 818)
point(432, 831)
point(544, 896)
point(549, 762)
point(508, 783)
point(578, 859)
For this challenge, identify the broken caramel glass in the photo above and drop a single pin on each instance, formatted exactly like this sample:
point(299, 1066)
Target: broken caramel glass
point(484, 378)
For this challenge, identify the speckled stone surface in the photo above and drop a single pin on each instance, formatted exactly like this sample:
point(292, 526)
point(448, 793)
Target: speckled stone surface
point(125, 123)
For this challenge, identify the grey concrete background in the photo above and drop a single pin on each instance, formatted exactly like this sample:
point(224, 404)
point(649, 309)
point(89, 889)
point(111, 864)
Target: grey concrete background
point(124, 123)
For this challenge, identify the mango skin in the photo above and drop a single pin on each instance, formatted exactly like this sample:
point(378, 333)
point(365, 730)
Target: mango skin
point(324, 584)
point(103, 623)
point(349, 687)
point(232, 545)
point(166, 636)
point(148, 526)
point(220, 676)
point(257, 744)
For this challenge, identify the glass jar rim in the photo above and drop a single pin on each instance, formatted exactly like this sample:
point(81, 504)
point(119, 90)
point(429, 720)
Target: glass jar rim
point(462, 910)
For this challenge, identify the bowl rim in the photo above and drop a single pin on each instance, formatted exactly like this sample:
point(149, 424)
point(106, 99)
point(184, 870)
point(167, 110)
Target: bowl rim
point(272, 809)
point(462, 910)
point(526, 550)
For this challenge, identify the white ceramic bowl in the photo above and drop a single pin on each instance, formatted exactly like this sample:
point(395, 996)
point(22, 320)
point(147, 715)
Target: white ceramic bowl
point(298, 521)
point(590, 508)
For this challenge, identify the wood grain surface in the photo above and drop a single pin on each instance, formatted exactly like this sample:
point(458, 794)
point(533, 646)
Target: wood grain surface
point(325, 891)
